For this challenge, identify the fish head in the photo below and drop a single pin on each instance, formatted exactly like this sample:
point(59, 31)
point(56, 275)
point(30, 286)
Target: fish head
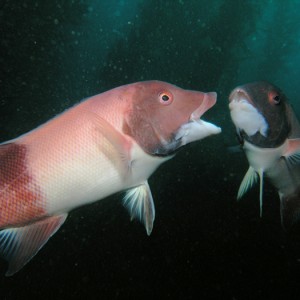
point(161, 117)
point(260, 112)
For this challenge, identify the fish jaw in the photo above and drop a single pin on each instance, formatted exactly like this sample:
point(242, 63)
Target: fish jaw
point(209, 100)
point(197, 129)
point(244, 114)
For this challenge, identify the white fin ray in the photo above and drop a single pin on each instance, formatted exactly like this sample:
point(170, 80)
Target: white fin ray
point(20, 244)
point(140, 205)
point(261, 186)
point(249, 180)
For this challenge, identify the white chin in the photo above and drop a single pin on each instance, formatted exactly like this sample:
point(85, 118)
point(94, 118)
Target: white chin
point(196, 130)
point(246, 117)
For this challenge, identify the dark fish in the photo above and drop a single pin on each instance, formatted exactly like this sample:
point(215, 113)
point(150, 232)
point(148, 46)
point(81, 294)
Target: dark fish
point(269, 133)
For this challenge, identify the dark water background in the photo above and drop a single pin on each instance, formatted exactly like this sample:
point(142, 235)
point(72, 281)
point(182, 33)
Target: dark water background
point(204, 244)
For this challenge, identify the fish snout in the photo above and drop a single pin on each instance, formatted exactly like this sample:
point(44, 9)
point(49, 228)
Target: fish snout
point(209, 100)
point(239, 95)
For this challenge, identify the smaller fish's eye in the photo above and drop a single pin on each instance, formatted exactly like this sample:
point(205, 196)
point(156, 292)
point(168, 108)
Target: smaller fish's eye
point(274, 98)
point(165, 98)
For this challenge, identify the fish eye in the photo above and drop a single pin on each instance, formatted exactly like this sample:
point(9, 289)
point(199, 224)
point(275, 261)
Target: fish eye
point(274, 98)
point(165, 98)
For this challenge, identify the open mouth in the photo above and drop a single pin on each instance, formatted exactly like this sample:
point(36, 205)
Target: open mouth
point(239, 95)
point(209, 101)
point(197, 129)
point(245, 115)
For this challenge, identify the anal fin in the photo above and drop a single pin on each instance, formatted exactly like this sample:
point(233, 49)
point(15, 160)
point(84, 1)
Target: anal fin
point(139, 202)
point(18, 245)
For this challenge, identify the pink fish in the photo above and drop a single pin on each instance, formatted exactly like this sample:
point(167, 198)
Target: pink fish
point(108, 143)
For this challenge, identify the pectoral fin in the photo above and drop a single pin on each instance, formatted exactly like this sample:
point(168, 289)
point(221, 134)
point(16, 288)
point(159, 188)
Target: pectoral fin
point(139, 202)
point(18, 245)
point(119, 152)
point(293, 158)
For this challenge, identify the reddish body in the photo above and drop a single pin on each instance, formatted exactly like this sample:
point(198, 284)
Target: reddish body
point(108, 143)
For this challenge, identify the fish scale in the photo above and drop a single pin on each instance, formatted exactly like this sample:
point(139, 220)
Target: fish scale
point(25, 202)
point(99, 147)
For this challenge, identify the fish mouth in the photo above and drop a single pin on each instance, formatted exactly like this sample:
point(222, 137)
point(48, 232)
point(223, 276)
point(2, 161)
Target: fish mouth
point(197, 129)
point(246, 117)
point(208, 102)
point(241, 96)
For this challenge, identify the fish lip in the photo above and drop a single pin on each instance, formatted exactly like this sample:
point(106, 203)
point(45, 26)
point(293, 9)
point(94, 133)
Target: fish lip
point(240, 95)
point(209, 101)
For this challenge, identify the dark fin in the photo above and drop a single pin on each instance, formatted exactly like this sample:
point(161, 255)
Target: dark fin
point(290, 209)
point(140, 204)
point(20, 244)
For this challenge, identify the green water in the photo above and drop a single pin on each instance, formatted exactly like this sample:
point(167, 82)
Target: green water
point(204, 244)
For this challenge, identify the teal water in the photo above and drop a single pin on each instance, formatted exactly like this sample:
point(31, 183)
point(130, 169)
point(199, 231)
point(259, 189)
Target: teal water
point(204, 244)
